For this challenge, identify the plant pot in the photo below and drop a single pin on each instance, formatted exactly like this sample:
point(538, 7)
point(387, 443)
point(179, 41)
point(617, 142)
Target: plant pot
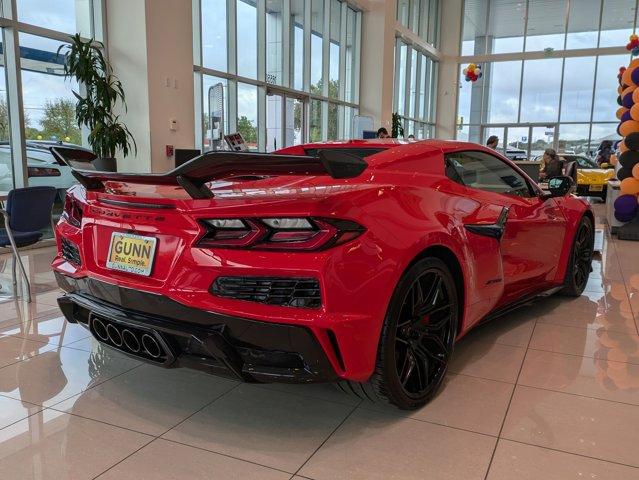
point(105, 164)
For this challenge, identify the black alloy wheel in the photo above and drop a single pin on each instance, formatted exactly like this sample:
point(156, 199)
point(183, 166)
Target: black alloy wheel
point(423, 340)
point(418, 335)
point(580, 264)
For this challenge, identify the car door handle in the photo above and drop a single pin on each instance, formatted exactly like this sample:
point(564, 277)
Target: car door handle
point(493, 230)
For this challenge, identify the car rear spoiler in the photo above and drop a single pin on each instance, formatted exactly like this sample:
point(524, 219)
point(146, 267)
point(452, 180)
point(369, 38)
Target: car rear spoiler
point(194, 174)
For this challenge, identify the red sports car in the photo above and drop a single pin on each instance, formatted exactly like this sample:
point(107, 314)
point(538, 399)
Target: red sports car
point(360, 262)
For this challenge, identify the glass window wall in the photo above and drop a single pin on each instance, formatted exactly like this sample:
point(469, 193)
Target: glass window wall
point(308, 54)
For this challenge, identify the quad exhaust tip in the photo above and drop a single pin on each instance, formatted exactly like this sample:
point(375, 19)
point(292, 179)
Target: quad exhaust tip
point(114, 335)
point(151, 346)
point(100, 330)
point(131, 340)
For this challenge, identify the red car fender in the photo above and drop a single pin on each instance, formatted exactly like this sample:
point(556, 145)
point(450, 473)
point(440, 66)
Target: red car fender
point(574, 209)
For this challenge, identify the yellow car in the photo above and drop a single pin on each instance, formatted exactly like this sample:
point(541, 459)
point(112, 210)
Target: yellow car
point(592, 179)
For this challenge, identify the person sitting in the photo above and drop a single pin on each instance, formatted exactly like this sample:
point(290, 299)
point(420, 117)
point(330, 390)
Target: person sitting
point(551, 165)
point(492, 142)
point(382, 133)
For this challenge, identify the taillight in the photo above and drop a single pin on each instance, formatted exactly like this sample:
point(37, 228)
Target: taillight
point(72, 211)
point(231, 232)
point(43, 172)
point(297, 234)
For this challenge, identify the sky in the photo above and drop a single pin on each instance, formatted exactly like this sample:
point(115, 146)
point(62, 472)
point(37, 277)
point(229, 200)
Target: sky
point(39, 87)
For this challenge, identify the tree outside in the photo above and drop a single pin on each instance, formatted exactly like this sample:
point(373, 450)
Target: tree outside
point(248, 131)
point(59, 122)
point(315, 113)
point(4, 120)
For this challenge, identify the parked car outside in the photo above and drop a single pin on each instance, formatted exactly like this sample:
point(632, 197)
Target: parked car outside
point(43, 169)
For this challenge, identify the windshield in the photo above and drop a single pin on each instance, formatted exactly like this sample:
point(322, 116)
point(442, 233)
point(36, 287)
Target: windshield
point(582, 161)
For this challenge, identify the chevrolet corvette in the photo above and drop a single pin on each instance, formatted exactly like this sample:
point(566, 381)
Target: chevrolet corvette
point(355, 262)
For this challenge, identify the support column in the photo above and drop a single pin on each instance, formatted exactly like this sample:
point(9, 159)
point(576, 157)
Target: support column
point(377, 61)
point(151, 50)
point(478, 105)
point(448, 83)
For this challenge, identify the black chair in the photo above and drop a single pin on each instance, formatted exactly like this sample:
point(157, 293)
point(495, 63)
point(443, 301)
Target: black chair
point(570, 170)
point(28, 212)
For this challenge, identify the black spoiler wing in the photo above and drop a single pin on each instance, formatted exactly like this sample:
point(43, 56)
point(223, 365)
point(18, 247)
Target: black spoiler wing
point(194, 174)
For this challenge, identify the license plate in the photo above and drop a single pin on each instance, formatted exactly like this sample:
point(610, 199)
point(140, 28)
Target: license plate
point(131, 253)
point(596, 188)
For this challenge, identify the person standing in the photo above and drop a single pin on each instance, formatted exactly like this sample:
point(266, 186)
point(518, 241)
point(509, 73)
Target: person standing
point(604, 152)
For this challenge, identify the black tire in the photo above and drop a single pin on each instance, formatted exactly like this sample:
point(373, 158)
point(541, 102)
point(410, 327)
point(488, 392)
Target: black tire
point(580, 261)
point(417, 337)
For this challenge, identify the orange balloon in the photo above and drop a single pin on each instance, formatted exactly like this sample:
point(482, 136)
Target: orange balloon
point(613, 159)
point(622, 147)
point(629, 90)
point(628, 127)
point(619, 89)
point(634, 112)
point(635, 96)
point(626, 77)
point(629, 186)
point(635, 171)
point(622, 110)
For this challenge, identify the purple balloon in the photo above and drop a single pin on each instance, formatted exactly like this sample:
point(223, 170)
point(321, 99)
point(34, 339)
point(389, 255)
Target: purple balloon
point(624, 218)
point(627, 101)
point(635, 73)
point(615, 145)
point(625, 208)
point(626, 116)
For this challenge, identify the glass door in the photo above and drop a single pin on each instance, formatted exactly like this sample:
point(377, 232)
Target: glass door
point(274, 121)
point(284, 120)
point(294, 121)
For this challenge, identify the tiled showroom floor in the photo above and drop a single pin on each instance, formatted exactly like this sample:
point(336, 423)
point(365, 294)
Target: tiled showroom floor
point(549, 392)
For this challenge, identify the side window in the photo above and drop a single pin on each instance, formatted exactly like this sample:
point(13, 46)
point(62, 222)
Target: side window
point(485, 172)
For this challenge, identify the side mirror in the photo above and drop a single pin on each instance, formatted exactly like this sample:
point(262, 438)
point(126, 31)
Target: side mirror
point(559, 187)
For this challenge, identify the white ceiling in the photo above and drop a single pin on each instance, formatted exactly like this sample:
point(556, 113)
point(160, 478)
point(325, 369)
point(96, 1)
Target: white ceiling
point(545, 16)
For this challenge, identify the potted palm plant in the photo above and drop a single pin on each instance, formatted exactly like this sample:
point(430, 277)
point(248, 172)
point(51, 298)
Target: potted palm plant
point(85, 61)
point(397, 128)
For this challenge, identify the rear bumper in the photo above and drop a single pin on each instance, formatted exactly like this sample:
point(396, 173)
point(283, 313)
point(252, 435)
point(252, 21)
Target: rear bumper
point(583, 190)
point(249, 350)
